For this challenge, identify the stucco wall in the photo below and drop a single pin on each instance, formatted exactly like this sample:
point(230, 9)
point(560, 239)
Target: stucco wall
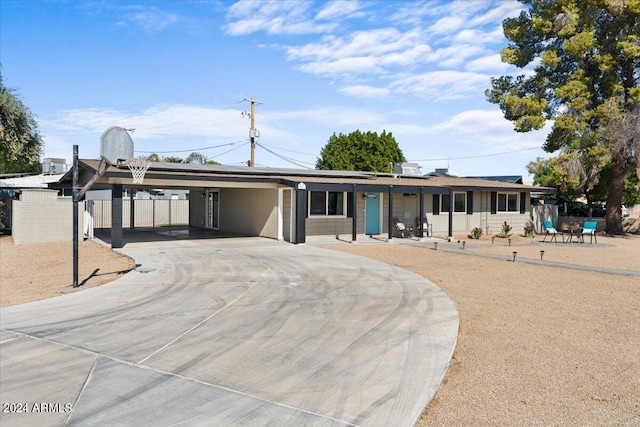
point(42, 216)
point(249, 211)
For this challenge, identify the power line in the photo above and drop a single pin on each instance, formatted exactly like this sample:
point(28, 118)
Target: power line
point(291, 151)
point(286, 159)
point(228, 151)
point(474, 157)
point(189, 150)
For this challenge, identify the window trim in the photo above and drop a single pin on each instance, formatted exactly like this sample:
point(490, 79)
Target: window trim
point(326, 205)
point(445, 209)
point(506, 194)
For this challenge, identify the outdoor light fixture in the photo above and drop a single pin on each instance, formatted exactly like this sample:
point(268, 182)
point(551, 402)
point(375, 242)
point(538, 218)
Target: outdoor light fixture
point(492, 239)
point(464, 242)
point(514, 256)
point(509, 242)
point(435, 246)
point(541, 255)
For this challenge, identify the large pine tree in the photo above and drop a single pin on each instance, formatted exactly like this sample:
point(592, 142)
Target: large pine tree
point(586, 58)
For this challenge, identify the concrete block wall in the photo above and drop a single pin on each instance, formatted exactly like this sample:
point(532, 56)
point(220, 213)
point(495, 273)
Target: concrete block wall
point(41, 216)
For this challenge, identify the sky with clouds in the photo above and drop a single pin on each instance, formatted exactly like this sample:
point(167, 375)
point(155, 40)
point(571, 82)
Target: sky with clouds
point(181, 73)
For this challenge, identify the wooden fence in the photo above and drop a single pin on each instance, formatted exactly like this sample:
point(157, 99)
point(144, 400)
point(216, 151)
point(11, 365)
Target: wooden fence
point(147, 212)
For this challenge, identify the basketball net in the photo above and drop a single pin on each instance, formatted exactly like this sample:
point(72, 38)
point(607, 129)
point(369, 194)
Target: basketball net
point(138, 168)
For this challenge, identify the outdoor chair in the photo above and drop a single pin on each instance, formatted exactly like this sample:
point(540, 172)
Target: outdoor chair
point(589, 229)
point(424, 226)
point(402, 229)
point(550, 230)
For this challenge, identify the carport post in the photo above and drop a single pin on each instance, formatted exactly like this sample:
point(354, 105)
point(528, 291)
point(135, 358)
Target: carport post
point(116, 216)
point(132, 211)
point(301, 212)
point(390, 219)
point(421, 210)
point(450, 207)
point(354, 210)
point(75, 216)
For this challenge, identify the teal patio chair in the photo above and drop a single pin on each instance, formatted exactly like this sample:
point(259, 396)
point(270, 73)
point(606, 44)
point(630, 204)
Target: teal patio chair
point(589, 229)
point(550, 230)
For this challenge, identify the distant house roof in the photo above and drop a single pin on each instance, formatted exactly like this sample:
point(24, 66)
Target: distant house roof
point(510, 179)
point(30, 181)
point(513, 179)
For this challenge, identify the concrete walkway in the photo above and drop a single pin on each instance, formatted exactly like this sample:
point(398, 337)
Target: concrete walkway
point(231, 332)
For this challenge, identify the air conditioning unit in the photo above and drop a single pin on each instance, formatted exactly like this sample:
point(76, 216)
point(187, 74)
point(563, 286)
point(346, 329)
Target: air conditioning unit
point(407, 169)
point(51, 166)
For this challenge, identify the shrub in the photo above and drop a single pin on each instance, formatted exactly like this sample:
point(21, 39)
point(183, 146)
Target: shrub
point(506, 230)
point(528, 230)
point(476, 233)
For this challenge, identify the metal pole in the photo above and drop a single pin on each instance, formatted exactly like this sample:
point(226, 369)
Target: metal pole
point(75, 216)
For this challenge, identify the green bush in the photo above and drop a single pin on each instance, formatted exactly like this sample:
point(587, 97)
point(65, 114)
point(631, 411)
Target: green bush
point(476, 233)
point(506, 230)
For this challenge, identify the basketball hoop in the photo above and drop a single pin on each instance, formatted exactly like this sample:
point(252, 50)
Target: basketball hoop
point(138, 168)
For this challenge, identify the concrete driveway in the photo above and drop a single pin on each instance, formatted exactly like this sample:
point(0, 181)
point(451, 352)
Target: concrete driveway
point(230, 332)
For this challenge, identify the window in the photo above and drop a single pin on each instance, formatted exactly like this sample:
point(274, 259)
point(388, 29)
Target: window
point(445, 201)
point(459, 202)
point(326, 203)
point(213, 209)
point(65, 192)
point(507, 202)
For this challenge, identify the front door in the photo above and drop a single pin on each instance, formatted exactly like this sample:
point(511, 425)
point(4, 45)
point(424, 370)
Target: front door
point(372, 214)
point(213, 209)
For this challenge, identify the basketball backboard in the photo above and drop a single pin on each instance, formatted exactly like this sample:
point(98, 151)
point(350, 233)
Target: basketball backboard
point(115, 143)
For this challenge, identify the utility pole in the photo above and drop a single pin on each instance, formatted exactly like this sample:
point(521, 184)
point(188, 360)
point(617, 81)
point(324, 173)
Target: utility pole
point(253, 133)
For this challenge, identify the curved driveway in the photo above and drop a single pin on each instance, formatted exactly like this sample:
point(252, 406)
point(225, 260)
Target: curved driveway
point(231, 332)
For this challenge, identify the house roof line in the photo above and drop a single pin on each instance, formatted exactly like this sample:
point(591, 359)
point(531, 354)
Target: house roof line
point(289, 177)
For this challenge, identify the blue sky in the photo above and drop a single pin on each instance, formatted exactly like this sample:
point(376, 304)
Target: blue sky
point(179, 72)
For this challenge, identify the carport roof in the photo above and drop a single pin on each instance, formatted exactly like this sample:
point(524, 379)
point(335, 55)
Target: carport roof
point(200, 174)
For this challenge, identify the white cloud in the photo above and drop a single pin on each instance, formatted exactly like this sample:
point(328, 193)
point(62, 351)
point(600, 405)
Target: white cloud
point(338, 8)
point(274, 17)
point(490, 63)
point(446, 25)
point(155, 122)
point(339, 117)
point(150, 18)
point(363, 91)
point(497, 13)
point(363, 52)
point(442, 84)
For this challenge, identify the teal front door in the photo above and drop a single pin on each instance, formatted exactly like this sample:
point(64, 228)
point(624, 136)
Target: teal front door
point(372, 214)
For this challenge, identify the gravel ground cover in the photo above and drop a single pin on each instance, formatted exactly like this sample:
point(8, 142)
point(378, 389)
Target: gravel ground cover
point(537, 345)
